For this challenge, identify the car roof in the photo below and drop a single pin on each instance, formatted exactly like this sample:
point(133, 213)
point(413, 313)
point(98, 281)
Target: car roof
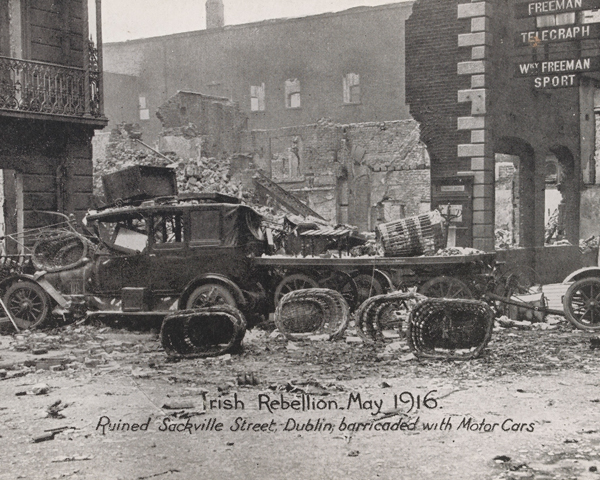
point(117, 214)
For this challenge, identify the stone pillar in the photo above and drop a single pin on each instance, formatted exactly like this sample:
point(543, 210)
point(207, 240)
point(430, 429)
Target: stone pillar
point(480, 149)
point(215, 14)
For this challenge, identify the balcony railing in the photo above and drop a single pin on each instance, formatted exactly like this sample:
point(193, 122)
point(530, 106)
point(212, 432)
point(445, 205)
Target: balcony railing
point(45, 88)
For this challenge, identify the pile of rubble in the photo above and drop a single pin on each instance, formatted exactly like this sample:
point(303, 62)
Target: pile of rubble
point(205, 175)
point(193, 175)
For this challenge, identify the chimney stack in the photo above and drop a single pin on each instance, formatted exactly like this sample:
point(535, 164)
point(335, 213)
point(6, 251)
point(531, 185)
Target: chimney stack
point(215, 14)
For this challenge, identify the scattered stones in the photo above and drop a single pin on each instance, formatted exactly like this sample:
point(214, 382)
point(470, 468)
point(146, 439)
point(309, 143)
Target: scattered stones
point(247, 379)
point(40, 389)
point(54, 410)
point(354, 340)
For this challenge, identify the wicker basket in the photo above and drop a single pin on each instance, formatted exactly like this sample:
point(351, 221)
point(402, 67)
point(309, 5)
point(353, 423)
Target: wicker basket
point(203, 332)
point(450, 328)
point(312, 311)
point(411, 236)
point(60, 250)
point(369, 317)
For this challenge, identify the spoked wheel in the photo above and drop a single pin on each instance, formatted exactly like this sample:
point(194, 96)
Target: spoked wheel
point(28, 303)
point(343, 283)
point(297, 281)
point(445, 287)
point(367, 286)
point(210, 295)
point(582, 304)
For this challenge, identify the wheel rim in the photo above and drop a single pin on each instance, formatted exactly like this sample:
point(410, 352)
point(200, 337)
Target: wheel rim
point(26, 305)
point(446, 287)
point(585, 304)
point(367, 286)
point(209, 297)
point(292, 283)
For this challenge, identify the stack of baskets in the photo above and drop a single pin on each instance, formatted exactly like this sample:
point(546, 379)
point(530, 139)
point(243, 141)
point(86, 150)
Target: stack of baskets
point(371, 315)
point(450, 328)
point(312, 311)
point(203, 332)
point(411, 236)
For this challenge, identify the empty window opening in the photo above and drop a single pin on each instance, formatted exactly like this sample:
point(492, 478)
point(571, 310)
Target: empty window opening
point(167, 229)
point(292, 93)
point(351, 84)
point(144, 110)
point(257, 98)
point(556, 20)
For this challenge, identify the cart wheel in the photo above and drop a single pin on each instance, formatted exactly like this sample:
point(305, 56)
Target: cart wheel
point(582, 304)
point(343, 283)
point(445, 287)
point(298, 281)
point(367, 286)
point(209, 295)
point(28, 303)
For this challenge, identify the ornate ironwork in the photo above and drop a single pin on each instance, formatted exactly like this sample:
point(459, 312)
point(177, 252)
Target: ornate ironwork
point(94, 77)
point(39, 87)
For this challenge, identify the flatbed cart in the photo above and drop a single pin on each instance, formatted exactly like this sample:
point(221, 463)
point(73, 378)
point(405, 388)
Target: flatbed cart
point(358, 278)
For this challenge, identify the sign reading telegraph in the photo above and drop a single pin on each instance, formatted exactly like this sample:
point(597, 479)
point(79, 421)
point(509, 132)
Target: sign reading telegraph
point(569, 33)
point(550, 7)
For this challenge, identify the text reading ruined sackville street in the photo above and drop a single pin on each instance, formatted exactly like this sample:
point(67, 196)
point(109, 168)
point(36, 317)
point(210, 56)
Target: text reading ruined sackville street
point(402, 412)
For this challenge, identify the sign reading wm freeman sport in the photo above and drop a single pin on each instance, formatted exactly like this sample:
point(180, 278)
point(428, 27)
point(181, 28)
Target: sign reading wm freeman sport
point(555, 67)
point(566, 33)
point(549, 7)
point(557, 73)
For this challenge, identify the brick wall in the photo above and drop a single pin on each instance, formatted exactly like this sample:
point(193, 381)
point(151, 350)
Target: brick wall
point(317, 50)
point(461, 88)
point(218, 122)
point(432, 82)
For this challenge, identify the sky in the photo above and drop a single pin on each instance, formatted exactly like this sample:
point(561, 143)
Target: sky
point(129, 19)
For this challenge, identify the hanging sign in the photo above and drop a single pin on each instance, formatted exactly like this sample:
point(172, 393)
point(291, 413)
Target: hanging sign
point(566, 33)
point(557, 81)
point(550, 7)
point(555, 67)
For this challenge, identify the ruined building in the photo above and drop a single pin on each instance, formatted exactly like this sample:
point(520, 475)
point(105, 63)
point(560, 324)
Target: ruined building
point(50, 105)
point(347, 66)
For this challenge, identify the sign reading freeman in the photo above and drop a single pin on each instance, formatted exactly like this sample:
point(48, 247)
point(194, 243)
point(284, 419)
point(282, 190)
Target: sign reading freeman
point(557, 73)
point(549, 7)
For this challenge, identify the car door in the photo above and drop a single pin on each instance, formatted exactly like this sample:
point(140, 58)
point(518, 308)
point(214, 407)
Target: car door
point(168, 268)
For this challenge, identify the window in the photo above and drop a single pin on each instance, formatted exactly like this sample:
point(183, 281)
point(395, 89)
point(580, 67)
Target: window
point(556, 20)
point(292, 93)
point(144, 110)
point(257, 98)
point(351, 84)
point(206, 227)
point(167, 229)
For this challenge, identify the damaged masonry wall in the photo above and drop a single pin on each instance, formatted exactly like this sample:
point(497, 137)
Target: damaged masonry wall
point(361, 174)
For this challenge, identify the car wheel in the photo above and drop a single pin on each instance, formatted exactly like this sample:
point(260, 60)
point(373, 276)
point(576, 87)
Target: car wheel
point(209, 295)
point(582, 304)
point(28, 304)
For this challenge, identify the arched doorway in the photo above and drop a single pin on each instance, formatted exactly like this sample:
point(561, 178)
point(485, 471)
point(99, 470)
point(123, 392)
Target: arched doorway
point(515, 191)
point(562, 196)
